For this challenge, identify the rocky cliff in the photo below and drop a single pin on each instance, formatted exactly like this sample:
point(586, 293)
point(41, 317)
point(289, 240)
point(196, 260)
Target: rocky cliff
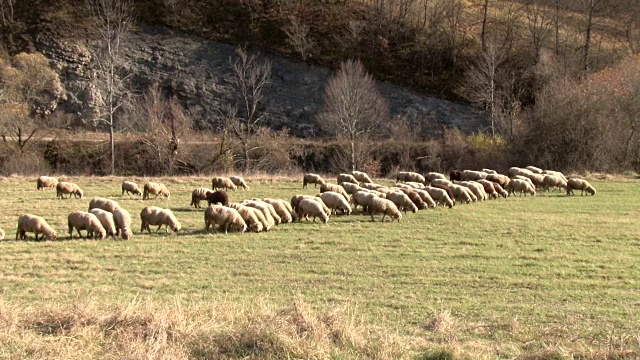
point(199, 73)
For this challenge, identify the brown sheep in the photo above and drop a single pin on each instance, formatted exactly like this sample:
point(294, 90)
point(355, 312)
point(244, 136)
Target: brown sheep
point(153, 215)
point(35, 224)
point(223, 183)
point(198, 195)
point(218, 197)
point(46, 182)
point(155, 188)
point(68, 188)
point(416, 199)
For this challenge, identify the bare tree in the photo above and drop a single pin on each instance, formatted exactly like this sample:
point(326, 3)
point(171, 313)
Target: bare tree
point(298, 37)
point(539, 25)
point(483, 32)
point(593, 8)
point(113, 20)
point(251, 78)
point(7, 11)
point(354, 109)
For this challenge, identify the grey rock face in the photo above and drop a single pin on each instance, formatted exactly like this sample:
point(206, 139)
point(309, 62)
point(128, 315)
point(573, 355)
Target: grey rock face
point(199, 73)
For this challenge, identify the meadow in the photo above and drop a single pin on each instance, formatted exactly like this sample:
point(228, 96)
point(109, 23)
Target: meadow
point(549, 276)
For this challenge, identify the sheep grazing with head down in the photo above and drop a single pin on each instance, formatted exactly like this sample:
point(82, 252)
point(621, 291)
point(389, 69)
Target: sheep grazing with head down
point(2, 234)
point(199, 194)
point(534, 169)
point(537, 180)
point(430, 176)
point(262, 206)
point(362, 198)
point(130, 187)
point(122, 220)
point(32, 223)
point(405, 176)
point(282, 208)
point(500, 190)
point(503, 180)
point(415, 185)
point(155, 188)
point(439, 196)
point(385, 207)
point(455, 175)
point(224, 183)
point(521, 186)
point(346, 178)
point(489, 171)
point(295, 201)
point(525, 178)
point(106, 220)
point(225, 218)
point(104, 204)
point(361, 176)
point(462, 194)
point(489, 188)
point(470, 175)
point(308, 207)
point(46, 182)
point(218, 197)
point(153, 215)
point(272, 210)
point(68, 188)
point(556, 173)
point(255, 222)
point(350, 188)
point(314, 179)
point(371, 186)
point(580, 184)
point(335, 188)
point(553, 181)
point(513, 171)
point(335, 201)
point(402, 201)
point(476, 188)
point(238, 181)
point(81, 220)
point(416, 199)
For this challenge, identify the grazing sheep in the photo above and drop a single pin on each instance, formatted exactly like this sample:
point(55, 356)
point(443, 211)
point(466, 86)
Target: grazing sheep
point(335, 188)
point(455, 176)
point(534, 169)
point(556, 173)
point(153, 215)
point(362, 198)
point(68, 188)
point(224, 217)
point(439, 196)
point(107, 221)
point(35, 224)
point(378, 205)
point(579, 184)
point(489, 188)
point(371, 186)
point(441, 182)
point(130, 187)
point(310, 178)
point(262, 206)
point(346, 178)
point(537, 180)
point(351, 188)
point(525, 178)
point(415, 185)
point(361, 176)
point(416, 199)
point(489, 171)
point(295, 200)
point(2, 234)
point(503, 180)
point(403, 186)
point(476, 188)
point(402, 201)
point(155, 188)
point(308, 207)
point(521, 186)
point(462, 194)
point(46, 182)
point(223, 183)
point(239, 182)
point(272, 211)
point(409, 176)
point(104, 204)
point(282, 208)
point(554, 181)
point(430, 176)
point(199, 194)
point(122, 220)
point(500, 190)
point(513, 171)
point(470, 175)
point(81, 220)
point(218, 197)
point(335, 201)
point(250, 217)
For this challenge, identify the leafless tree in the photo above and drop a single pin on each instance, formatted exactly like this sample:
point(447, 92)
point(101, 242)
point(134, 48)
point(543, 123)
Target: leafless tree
point(251, 78)
point(354, 109)
point(7, 11)
point(113, 20)
point(593, 8)
point(452, 15)
point(483, 32)
point(539, 24)
point(298, 37)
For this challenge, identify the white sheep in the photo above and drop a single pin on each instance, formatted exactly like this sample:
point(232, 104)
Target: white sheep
point(410, 176)
point(503, 180)
point(361, 176)
point(81, 220)
point(104, 204)
point(534, 169)
point(220, 182)
point(295, 200)
point(238, 181)
point(251, 217)
point(224, 217)
point(335, 201)
point(521, 186)
point(282, 209)
point(310, 178)
point(371, 186)
point(308, 207)
point(153, 215)
point(35, 224)
point(441, 183)
point(471, 175)
point(68, 188)
point(362, 198)
point(525, 178)
point(556, 173)
point(462, 193)
point(417, 199)
point(199, 194)
point(346, 178)
point(415, 185)
point(335, 188)
point(122, 220)
point(2, 234)
point(554, 181)
point(130, 187)
point(155, 188)
point(439, 196)
point(402, 201)
point(262, 206)
point(106, 220)
point(513, 171)
point(476, 188)
point(489, 171)
point(377, 205)
point(537, 180)
point(403, 186)
point(46, 182)
point(272, 211)
point(580, 184)
point(430, 176)
point(350, 188)
point(489, 188)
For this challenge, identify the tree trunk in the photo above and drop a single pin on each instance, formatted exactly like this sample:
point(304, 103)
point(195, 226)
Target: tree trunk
point(587, 37)
point(483, 34)
point(353, 152)
point(245, 150)
point(112, 144)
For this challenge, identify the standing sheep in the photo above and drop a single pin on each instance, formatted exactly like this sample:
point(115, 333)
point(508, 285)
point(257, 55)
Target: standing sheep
point(35, 224)
point(251, 217)
point(153, 215)
point(199, 194)
point(361, 176)
point(534, 169)
point(218, 197)
point(462, 194)
point(261, 206)
point(223, 183)
point(417, 199)
point(554, 181)
point(106, 220)
point(282, 208)
point(378, 205)
point(81, 220)
point(362, 198)
point(476, 188)
point(225, 217)
point(46, 182)
point(308, 207)
point(335, 201)
point(130, 187)
point(272, 211)
point(521, 186)
point(500, 190)
point(122, 220)
point(409, 176)
point(430, 176)
point(335, 188)
point(402, 202)
point(439, 196)
point(295, 201)
point(489, 171)
point(579, 184)
point(104, 204)
point(310, 178)
point(513, 171)
point(503, 180)
point(68, 188)
point(155, 188)
point(238, 181)
point(556, 173)
point(470, 175)
point(346, 178)
point(351, 188)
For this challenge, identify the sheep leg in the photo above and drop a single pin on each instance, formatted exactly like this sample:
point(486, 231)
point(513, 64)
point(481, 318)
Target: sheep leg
point(226, 228)
point(158, 229)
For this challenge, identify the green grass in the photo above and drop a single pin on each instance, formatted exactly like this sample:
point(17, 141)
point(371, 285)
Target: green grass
point(511, 276)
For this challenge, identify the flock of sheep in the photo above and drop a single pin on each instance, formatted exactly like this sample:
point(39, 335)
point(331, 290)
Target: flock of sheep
point(411, 192)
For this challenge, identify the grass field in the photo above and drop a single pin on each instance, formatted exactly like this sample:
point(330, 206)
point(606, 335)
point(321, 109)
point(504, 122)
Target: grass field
point(549, 276)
